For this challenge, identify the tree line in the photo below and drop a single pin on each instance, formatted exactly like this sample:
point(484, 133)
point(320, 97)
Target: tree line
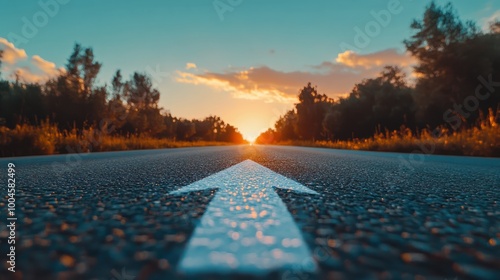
point(75, 101)
point(457, 82)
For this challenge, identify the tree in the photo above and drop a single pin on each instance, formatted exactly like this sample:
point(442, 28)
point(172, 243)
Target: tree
point(209, 129)
point(73, 97)
point(231, 134)
point(1, 57)
point(495, 27)
point(116, 110)
point(385, 101)
point(185, 129)
point(21, 103)
point(267, 137)
point(286, 127)
point(311, 110)
point(451, 56)
point(170, 122)
point(140, 93)
point(117, 84)
point(75, 101)
point(144, 115)
point(434, 34)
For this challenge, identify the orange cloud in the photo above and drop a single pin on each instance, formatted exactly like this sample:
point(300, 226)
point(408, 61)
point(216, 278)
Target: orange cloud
point(238, 84)
point(15, 64)
point(190, 65)
point(378, 59)
point(11, 54)
point(336, 78)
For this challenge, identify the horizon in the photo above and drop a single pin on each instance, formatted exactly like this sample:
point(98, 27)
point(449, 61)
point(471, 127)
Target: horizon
point(214, 58)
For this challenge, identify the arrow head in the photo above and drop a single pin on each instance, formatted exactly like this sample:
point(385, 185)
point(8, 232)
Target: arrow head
point(246, 228)
point(238, 174)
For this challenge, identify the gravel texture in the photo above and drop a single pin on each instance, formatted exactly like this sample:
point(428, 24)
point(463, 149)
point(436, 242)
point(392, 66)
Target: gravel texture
point(378, 215)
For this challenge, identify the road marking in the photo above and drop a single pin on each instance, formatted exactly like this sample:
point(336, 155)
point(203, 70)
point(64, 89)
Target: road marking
point(246, 227)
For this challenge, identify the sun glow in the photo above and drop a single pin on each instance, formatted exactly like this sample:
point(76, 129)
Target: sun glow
point(251, 131)
point(250, 137)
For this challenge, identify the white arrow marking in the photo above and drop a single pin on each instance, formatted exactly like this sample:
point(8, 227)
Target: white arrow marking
point(246, 227)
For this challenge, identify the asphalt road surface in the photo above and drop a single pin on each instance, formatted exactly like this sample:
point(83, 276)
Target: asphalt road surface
point(377, 215)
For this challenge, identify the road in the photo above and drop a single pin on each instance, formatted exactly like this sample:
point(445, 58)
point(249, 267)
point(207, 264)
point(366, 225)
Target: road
point(376, 215)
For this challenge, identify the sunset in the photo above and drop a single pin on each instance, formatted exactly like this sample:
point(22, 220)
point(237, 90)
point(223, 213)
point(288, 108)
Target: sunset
point(246, 65)
point(250, 139)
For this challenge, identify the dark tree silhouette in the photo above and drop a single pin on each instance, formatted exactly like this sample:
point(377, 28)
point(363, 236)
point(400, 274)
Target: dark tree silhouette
point(457, 75)
point(451, 56)
point(74, 101)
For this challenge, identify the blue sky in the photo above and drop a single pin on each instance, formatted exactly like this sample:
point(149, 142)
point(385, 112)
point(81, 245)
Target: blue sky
point(250, 60)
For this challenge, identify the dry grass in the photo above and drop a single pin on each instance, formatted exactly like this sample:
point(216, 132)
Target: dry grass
point(46, 139)
point(29, 140)
point(482, 140)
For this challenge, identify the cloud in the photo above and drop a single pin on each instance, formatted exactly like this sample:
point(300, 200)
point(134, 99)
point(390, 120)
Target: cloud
point(44, 67)
point(190, 65)
point(239, 85)
point(11, 54)
point(378, 59)
point(15, 62)
point(486, 21)
point(334, 78)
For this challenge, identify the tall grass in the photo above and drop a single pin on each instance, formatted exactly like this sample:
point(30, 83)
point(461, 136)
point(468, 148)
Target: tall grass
point(46, 139)
point(29, 140)
point(480, 140)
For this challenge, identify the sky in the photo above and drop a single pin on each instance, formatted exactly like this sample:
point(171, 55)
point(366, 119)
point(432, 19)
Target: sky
point(243, 60)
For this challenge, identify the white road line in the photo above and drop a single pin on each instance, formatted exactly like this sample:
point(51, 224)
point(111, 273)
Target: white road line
point(246, 227)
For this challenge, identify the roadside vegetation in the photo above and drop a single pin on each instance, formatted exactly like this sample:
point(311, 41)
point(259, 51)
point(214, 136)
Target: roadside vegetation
point(450, 104)
point(451, 101)
point(72, 113)
point(482, 140)
point(46, 139)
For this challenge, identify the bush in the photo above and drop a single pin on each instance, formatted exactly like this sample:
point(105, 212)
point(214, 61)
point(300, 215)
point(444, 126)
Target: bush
point(28, 140)
point(481, 140)
point(46, 139)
